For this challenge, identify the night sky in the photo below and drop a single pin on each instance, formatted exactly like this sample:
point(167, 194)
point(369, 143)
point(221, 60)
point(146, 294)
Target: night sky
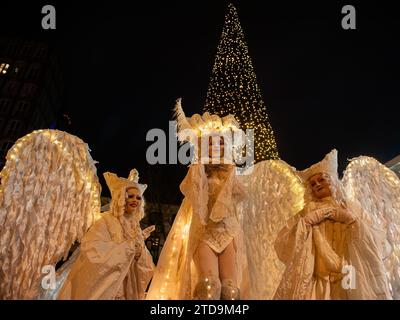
point(126, 63)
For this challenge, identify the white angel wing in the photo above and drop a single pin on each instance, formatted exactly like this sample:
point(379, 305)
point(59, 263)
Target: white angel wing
point(274, 194)
point(376, 189)
point(49, 197)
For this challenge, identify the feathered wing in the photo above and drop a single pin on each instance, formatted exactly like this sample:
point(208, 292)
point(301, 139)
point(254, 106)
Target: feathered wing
point(274, 194)
point(376, 189)
point(181, 121)
point(49, 197)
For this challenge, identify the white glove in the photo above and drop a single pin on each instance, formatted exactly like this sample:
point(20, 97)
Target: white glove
point(317, 216)
point(148, 231)
point(342, 215)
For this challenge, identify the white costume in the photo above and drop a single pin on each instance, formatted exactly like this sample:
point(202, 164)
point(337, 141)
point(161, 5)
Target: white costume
point(207, 214)
point(311, 262)
point(316, 255)
point(113, 261)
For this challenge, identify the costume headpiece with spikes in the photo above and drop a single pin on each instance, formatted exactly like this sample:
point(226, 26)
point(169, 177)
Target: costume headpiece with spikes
point(118, 187)
point(206, 125)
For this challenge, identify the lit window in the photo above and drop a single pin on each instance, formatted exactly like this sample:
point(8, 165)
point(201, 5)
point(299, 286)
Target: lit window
point(4, 67)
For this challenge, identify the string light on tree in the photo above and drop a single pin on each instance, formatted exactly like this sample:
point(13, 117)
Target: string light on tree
point(233, 88)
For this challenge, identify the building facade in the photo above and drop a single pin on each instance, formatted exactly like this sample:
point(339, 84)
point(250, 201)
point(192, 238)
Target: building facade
point(31, 90)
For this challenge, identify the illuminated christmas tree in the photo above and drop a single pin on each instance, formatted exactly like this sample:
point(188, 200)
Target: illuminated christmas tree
point(233, 88)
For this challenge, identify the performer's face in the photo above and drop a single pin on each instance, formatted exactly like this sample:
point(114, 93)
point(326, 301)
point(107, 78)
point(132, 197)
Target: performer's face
point(321, 185)
point(215, 147)
point(133, 200)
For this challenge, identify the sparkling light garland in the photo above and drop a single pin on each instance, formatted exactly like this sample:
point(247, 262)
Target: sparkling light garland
point(167, 287)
